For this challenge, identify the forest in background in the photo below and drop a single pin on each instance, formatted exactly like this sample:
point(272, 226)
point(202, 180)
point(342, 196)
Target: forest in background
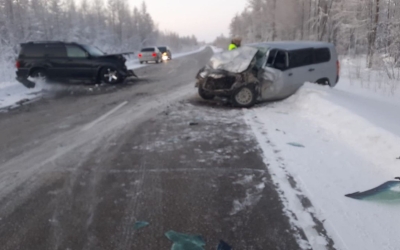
point(356, 27)
point(110, 25)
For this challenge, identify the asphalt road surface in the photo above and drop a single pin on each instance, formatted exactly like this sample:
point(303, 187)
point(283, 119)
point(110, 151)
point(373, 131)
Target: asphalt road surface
point(81, 166)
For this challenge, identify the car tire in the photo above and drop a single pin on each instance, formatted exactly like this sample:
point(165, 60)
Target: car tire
point(244, 97)
point(39, 74)
point(323, 81)
point(205, 95)
point(110, 75)
point(141, 62)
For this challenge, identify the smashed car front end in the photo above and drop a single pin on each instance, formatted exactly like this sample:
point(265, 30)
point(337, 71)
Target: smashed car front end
point(229, 71)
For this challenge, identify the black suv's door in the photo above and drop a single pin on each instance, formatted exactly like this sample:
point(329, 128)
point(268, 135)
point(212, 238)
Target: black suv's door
point(79, 63)
point(56, 56)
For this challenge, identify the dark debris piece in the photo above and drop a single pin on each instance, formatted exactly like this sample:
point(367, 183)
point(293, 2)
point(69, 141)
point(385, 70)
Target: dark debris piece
point(223, 246)
point(141, 224)
point(295, 144)
point(193, 123)
point(185, 241)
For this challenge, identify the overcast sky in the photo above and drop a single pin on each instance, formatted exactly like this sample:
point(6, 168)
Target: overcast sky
point(206, 19)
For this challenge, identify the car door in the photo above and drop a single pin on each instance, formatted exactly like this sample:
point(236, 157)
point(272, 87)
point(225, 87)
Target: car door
point(78, 62)
point(56, 55)
point(323, 65)
point(277, 77)
point(301, 63)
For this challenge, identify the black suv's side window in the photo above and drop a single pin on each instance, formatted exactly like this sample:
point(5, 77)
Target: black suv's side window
point(299, 58)
point(56, 51)
point(75, 52)
point(33, 51)
point(322, 55)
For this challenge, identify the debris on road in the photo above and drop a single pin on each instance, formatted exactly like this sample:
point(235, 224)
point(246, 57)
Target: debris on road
point(141, 224)
point(185, 241)
point(223, 246)
point(388, 191)
point(193, 123)
point(295, 144)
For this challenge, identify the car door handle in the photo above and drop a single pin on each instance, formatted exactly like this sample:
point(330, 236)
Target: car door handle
point(311, 70)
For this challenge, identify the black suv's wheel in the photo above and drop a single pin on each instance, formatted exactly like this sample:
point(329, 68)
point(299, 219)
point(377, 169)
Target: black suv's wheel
point(39, 74)
point(203, 94)
point(244, 97)
point(110, 75)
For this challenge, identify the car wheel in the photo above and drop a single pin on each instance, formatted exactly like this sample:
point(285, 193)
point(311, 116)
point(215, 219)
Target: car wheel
point(244, 97)
point(203, 94)
point(39, 74)
point(323, 81)
point(110, 75)
point(141, 62)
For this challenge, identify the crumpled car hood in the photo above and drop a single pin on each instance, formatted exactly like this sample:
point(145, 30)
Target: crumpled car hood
point(234, 61)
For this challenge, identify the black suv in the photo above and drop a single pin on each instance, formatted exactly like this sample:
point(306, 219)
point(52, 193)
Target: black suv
point(69, 61)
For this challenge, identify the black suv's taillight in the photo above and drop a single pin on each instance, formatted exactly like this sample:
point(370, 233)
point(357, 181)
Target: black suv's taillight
point(18, 64)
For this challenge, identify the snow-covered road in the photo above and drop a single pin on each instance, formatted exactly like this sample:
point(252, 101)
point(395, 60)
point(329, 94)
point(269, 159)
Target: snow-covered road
point(351, 141)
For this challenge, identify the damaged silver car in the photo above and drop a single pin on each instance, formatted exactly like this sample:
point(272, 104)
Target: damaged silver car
point(267, 72)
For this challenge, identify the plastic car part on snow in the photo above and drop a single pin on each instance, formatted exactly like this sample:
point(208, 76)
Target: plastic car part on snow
point(388, 191)
point(185, 241)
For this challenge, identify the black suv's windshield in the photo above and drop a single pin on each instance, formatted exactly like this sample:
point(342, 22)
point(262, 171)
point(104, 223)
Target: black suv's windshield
point(93, 51)
point(163, 49)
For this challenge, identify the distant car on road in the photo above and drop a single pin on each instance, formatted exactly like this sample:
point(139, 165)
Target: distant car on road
point(166, 52)
point(150, 54)
point(69, 61)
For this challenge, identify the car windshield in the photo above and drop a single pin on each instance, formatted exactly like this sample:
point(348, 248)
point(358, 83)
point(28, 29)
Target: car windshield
point(93, 51)
point(163, 49)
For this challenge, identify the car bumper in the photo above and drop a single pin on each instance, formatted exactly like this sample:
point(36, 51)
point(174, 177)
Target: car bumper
point(26, 82)
point(149, 59)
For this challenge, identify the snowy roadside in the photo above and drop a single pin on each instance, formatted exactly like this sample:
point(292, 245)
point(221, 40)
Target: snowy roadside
point(343, 153)
point(13, 93)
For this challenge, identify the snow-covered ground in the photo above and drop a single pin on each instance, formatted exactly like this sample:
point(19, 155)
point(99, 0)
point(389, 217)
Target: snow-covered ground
point(14, 93)
point(351, 140)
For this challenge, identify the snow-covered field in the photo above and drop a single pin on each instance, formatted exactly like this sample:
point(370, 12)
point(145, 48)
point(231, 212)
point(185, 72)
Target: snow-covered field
point(351, 142)
point(14, 93)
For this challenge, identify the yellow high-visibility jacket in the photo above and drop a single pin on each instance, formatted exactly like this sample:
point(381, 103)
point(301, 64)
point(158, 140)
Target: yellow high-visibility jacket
point(232, 46)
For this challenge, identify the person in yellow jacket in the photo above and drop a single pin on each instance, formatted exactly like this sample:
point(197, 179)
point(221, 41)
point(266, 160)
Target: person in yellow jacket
point(236, 43)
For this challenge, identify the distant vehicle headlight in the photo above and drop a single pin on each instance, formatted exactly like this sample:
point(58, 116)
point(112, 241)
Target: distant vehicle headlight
point(165, 56)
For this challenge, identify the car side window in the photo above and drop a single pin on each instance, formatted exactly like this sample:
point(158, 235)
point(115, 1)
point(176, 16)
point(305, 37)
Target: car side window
point(322, 55)
point(271, 57)
point(75, 52)
point(299, 58)
point(56, 51)
point(33, 51)
point(280, 60)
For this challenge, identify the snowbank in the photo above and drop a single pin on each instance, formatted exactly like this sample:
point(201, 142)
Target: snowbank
point(343, 153)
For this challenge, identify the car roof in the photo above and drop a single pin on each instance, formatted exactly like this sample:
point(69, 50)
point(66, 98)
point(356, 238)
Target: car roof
point(292, 45)
point(48, 42)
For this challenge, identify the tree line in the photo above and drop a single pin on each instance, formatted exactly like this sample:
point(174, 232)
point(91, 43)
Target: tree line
point(108, 24)
point(367, 27)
